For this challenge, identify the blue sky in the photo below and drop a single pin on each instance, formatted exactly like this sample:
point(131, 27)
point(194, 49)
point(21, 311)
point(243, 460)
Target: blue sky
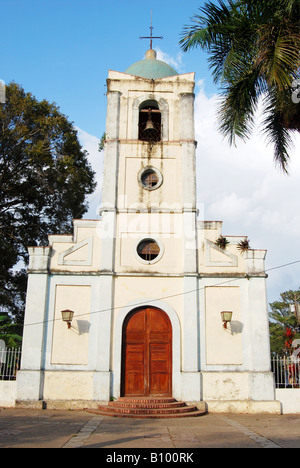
point(61, 50)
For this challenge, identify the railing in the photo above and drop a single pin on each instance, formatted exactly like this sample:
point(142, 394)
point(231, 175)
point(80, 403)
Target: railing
point(10, 360)
point(287, 371)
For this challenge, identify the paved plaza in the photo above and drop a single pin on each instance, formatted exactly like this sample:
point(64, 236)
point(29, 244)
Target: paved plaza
point(27, 428)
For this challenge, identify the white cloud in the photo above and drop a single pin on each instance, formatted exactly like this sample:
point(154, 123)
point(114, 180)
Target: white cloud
point(91, 143)
point(175, 62)
point(243, 187)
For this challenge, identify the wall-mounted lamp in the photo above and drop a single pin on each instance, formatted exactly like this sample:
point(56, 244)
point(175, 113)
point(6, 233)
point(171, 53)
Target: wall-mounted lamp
point(67, 316)
point(226, 318)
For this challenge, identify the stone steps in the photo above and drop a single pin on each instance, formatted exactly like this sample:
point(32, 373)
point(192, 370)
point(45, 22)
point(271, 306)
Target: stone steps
point(148, 408)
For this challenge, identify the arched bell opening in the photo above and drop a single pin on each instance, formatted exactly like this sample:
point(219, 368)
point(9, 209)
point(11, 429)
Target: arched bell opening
point(149, 121)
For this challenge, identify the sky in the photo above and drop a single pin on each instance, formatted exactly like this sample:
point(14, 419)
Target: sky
point(61, 50)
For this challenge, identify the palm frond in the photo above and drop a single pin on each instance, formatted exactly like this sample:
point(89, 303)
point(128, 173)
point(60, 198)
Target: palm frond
point(224, 31)
point(278, 54)
point(239, 106)
point(253, 49)
point(206, 26)
point(275, 130)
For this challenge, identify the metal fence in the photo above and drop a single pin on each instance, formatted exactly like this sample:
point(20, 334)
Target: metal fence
point(287, 371)
point(10, 360)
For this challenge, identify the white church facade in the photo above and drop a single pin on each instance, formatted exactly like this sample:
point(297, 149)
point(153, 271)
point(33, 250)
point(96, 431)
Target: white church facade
point(148, 282)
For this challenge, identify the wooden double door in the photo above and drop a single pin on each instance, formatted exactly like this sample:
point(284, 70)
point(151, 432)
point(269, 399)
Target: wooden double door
point(147, 354)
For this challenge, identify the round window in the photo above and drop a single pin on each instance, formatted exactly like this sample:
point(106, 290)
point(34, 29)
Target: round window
point(149, 251)
point(150, 178)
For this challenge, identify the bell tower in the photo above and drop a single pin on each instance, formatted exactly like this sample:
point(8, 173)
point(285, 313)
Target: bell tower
point(149, 188)
point(149, 168)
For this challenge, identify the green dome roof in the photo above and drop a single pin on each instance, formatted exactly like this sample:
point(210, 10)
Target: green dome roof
point(151, 68)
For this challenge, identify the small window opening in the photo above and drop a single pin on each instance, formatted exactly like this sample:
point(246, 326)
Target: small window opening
point(148, 250)
point(149, 179)
point(149, 122)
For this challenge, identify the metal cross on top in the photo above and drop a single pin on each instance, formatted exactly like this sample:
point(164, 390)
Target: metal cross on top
point(151, 34)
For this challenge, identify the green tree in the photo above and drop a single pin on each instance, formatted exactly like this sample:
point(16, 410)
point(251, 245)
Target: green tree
point(10, 332)
point(44, 179)
point(102, 143)
point(283, 322)
point(253, 49)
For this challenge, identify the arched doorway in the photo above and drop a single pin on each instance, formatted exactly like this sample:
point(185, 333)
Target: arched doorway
point(147, 353)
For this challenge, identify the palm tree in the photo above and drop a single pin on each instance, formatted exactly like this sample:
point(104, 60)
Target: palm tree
point(254, 54)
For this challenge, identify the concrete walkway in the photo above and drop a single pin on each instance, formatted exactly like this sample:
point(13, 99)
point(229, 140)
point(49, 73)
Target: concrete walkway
point(24, 428)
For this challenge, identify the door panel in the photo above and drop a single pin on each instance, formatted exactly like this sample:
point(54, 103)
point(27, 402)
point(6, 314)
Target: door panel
point(159, 368)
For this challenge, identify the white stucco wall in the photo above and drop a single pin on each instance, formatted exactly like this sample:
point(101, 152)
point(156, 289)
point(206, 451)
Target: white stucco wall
point(290, 400)
point(8, 393)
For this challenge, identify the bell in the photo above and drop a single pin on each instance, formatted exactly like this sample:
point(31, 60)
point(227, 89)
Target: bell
point(149, 124)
